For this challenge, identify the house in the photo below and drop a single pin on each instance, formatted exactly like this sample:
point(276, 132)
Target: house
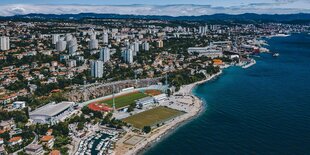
point(48, 141)
point(55, 152)
point(19, 104)
point(49, 132)
point(7, 125)
point(34, 149)
point(15, 140)
point(2, 150)
point(1, 141)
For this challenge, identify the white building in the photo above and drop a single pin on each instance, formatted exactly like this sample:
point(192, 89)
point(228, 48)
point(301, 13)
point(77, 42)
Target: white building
point(144, 102)
point(4, 43)
point(19, 104)
point(34, 149)
point(68, 37)
point(160, 44)
point(72, 46)
point(205, 51)
point(52, 113)
point(105, 38)
point(93, 44)
point(136, 46)
point(55, 38)
point(96, 67)
point(61, 45)
point(128, 56)
point(146, 46)
point(71, 63)
point(160, 97)
point(105, 54)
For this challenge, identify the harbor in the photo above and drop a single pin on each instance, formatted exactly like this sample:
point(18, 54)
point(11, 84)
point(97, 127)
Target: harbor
point(100, 143)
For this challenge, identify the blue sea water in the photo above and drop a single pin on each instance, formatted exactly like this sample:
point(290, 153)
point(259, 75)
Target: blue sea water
point(264, 109)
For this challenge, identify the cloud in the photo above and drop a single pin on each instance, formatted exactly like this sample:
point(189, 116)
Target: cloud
point(171, 10)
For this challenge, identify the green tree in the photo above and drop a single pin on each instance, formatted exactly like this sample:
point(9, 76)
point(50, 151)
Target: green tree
point(147, 129)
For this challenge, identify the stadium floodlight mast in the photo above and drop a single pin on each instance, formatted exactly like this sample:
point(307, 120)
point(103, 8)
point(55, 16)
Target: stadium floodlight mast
point(136, 78)
point(113, 97)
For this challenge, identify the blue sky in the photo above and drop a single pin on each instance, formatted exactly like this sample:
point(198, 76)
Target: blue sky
point(158, 7)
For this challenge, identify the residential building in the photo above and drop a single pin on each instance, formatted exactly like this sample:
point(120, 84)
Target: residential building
point(4, 43)
point(19, 104)
point(55, 38)
point(34, 149)
point(146, 46)
point(48, 141)
point(105, 38)
point(159, 44)
point(55, 152)
point(61, 45)
point(105, 54)
point(93, 44)
point(96, 67)
point(15, 140)
point(128, 56)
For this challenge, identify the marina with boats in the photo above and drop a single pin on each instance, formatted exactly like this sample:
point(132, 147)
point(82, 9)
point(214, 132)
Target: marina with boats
point(100, 143)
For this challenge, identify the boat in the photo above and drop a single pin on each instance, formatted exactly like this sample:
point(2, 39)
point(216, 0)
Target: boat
point(276, 54)
point(249, 64)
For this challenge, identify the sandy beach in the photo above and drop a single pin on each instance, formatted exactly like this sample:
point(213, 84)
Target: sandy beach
point(195, 107)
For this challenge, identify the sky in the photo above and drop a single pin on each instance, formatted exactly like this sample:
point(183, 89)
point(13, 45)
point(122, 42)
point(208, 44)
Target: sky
point(158, 7)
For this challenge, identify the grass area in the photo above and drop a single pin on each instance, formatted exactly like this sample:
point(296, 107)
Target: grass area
point(152, 117)
point(125, 100)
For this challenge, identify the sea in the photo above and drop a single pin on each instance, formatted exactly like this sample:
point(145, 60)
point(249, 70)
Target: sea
point(261, 110)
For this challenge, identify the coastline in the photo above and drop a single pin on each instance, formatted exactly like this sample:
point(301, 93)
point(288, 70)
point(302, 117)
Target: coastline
point(156, 134)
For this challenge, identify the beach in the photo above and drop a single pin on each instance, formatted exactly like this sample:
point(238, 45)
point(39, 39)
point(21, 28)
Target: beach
point(195, 106)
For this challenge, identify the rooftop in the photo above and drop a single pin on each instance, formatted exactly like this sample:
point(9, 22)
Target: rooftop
point(46, 138)
point(33, 147)
point(52, 109)
point(15, 139)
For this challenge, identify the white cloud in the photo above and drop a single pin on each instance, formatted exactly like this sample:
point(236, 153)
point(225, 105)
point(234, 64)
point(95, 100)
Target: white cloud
point(171, 10)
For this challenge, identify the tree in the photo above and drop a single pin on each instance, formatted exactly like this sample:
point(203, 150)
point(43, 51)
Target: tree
point(80, 126)
point(147, 129)
point(131, 107)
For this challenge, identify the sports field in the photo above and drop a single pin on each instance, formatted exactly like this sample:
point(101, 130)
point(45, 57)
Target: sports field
point(124, 100)
point(152, 92)
point(152, 117)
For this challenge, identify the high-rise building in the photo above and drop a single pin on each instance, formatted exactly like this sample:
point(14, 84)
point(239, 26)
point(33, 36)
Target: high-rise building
point(61, 45)
point(105, 38)
point(93, 36)
point(105, 54)
point(128, 56)
point(72, 46)
point(132, 48)
point(68, 37)
point(93, 44)
point(146, 46)
point(4, 43)
point(55, 38)
point(96, 67)
point(136, 46)
point(160, 44)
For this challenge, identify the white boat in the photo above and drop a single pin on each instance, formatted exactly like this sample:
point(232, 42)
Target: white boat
point(276, 54)
point(253, 62)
